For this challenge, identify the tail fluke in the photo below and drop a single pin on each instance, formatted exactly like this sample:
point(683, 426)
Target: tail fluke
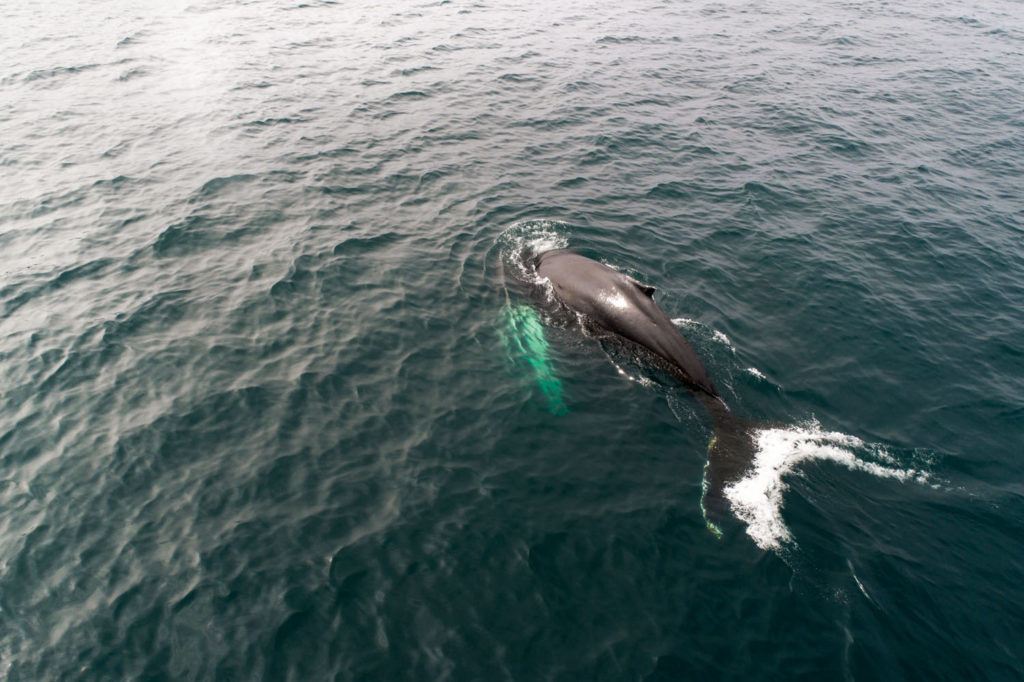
point(730, 454)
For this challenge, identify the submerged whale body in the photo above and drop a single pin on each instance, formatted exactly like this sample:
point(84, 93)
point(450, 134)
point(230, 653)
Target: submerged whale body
point(625, 307)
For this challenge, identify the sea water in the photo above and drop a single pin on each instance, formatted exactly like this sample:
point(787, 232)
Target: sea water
point(260, 418)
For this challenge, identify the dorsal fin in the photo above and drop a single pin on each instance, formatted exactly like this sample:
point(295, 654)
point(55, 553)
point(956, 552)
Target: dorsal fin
point(647, 289)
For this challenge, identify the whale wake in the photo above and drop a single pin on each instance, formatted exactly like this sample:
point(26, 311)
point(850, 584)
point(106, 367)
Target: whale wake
point(757, 497)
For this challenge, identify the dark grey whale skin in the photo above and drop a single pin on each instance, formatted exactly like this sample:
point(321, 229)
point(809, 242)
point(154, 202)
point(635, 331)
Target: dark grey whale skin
point(621, 305)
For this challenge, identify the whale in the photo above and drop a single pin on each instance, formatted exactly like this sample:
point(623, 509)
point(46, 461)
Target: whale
point(611, 301)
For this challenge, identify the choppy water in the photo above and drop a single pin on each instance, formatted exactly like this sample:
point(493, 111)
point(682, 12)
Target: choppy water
point(260, 416)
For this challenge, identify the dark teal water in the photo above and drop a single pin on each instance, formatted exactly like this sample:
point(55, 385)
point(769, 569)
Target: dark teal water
point(259, 415)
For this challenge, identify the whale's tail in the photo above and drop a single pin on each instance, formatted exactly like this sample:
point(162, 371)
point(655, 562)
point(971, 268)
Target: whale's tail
point(731, 452)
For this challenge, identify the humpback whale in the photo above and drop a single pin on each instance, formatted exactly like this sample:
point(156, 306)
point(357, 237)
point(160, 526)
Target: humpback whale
point(619, 304)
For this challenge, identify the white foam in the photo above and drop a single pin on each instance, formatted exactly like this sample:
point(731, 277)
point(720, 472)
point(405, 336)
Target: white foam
point(722, 338)
point(523, 240)
point(545, 241)
point(718, 336)
point(536, 236)
point(860, 585)
point(757, 498)
point(757, 373)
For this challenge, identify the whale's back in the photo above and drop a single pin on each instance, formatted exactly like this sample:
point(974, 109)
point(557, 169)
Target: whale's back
point(624, 306)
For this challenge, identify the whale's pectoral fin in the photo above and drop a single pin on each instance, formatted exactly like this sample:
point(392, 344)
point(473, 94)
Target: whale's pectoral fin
point(526, 341)
point(646, 289)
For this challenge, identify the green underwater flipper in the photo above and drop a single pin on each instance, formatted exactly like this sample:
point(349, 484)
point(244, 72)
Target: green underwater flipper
point(525, 341)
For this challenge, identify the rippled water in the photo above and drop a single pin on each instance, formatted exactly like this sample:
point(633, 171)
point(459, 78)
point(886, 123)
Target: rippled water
point(261, 414)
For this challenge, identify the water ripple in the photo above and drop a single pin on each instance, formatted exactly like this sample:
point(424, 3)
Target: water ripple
point(258, 419)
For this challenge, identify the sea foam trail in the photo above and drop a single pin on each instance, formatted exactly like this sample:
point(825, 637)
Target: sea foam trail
point(757, 498)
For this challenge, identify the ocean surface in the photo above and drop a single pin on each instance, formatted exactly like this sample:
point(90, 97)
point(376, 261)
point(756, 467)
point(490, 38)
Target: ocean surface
point(266, 412)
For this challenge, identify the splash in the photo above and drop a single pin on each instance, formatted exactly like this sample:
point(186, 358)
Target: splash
point(757, 498)
point(716, 336)
point(720, 337)
point(522, 240)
